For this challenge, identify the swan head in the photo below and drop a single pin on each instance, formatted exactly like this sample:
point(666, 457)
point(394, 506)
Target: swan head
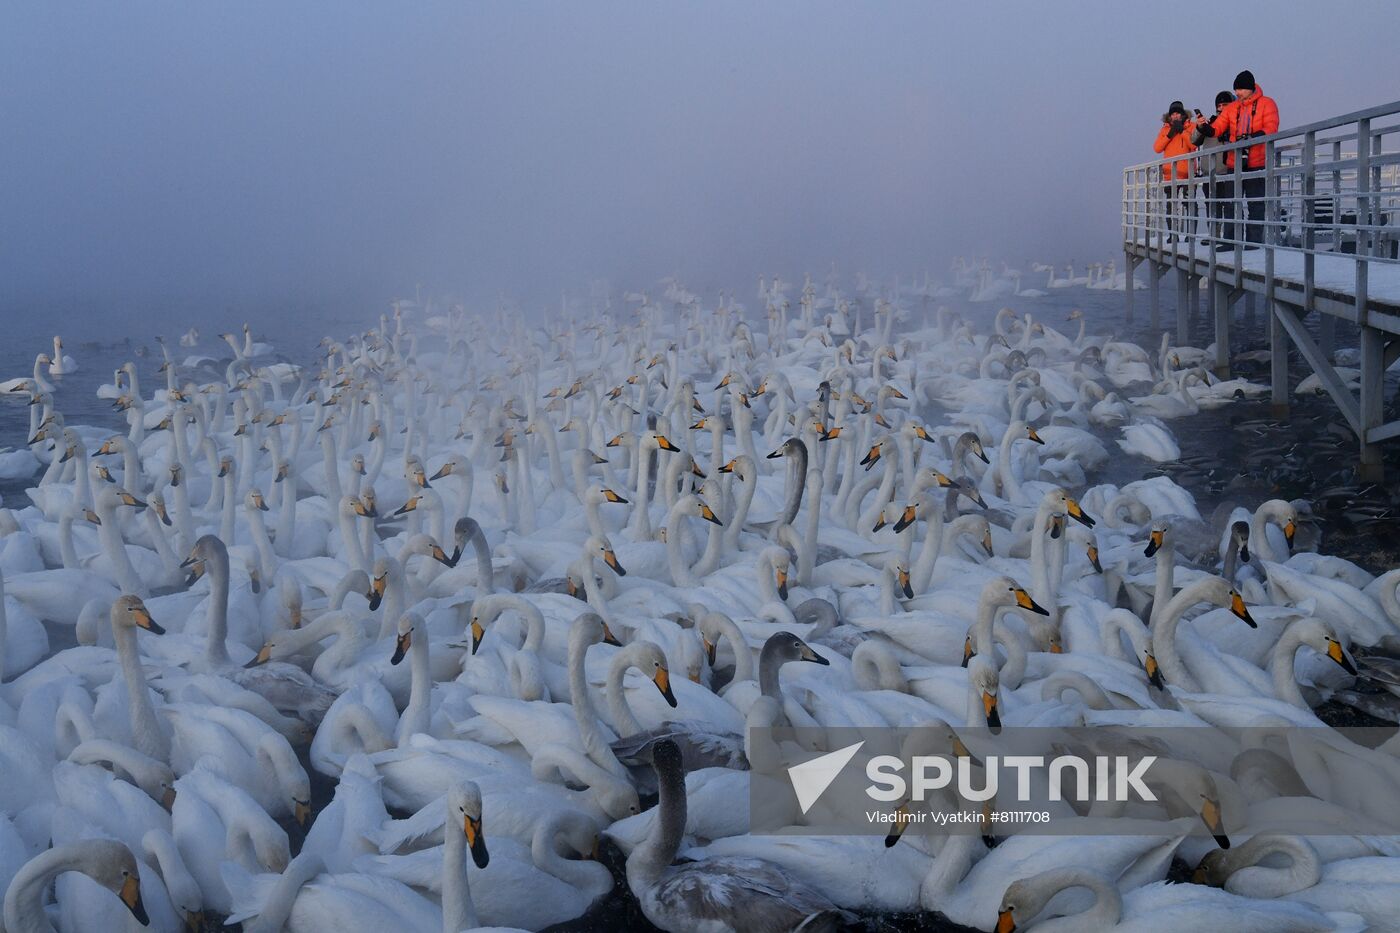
point(289, 774)
point(1157, 538)
point(599, 546)
point(403, 637)
point(111, 864)
point(464, 810)
point(130, 612)
point(788, 647)
point(1027, 897)
point(982, 678)
point(255, 501)
point(1323, 638)
point(1062, 503)
point(648, 658)
point(898, 569)
point(1223, 593)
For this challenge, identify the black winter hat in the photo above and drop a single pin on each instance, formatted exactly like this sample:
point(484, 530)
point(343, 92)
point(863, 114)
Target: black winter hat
point(1176, 107)
point(1224, 97)
point(1244, 80)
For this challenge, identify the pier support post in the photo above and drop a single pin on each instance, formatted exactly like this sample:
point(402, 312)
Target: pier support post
point(1222, 330)
point(1372, 354)
point(1131, 262)
point(1327, 335)
point(1183, 279)
point(1194, 309)
point(1154, 276)
point(1278, 365)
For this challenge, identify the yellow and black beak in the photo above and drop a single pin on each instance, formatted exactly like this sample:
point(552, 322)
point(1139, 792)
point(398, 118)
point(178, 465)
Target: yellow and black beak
point(128, 499)
point(906, 518)
point(967, 650)
point(989, 706)
point(476, 841)
point(879, 522)
point(708, 514)
point(699, 425)
point(1092, 551)
point(830, 434)
point(609, 638)
point(281, 475)
point(1238, 607)
point(1289, 530)
point(196, 568)
point(444, 470)
point(781, 577)
point(365, 511)
point(91, 516)
point(662, 679)
point(1211, 816)
point(987, 543)
point(1335, 652)
point(163, 514)
point(1023, 599)
point(405, 641)
point(131, 897)
point(665, 444)
point(301, 809)
point(617, 439)
point(1078, 514)
point(376, 591)
point(478, 633)
point(68, 454)
point(806, 653)
point(1006, 923)
point(695, 470)
point(1154, 673)
point(144, 620)
point(261, 503)
point(442, 556)
point(407, 507)
point(981, 454)
point(898, 826)
point(1032, 436)
point(880, 420)
point(167, 799)
point(710, 649)
point(724, 382)
point(262, 657)
point(905, 586)
point(1154, 543)
point(871, 458)
point(610, 558)
point(774, 455)
point(729, 467)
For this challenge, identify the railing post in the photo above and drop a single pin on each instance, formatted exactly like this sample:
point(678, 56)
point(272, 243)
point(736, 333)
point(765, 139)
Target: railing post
point(1278, 346)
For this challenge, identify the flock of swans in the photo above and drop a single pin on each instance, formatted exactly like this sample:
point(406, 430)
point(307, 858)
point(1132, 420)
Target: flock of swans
point(397, 640)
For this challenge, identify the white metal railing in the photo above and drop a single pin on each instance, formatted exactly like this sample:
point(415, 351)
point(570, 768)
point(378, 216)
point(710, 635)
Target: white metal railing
point(1329, 187)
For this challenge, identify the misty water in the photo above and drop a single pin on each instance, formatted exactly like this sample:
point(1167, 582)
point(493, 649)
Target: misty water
point(1237, 454)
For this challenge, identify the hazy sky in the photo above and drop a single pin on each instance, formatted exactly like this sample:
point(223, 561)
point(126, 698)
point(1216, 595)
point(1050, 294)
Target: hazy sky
point(245, 154)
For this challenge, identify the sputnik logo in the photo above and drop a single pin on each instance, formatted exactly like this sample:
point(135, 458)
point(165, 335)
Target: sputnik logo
point(811, 778)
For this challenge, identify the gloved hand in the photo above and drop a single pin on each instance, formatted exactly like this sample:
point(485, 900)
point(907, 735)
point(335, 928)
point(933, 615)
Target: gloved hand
point(1173, 129)
point(1205, 129)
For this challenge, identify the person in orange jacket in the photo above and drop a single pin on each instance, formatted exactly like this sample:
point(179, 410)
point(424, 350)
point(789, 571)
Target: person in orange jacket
point(1174, 139)
point(1250, 116)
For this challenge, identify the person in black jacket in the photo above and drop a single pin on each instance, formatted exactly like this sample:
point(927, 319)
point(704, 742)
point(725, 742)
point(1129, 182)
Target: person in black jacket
point(1220, 185)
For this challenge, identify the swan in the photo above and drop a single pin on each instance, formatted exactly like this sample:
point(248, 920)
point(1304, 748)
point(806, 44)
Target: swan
point(721, 894)
point(1158, 906)
point(105, 861)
